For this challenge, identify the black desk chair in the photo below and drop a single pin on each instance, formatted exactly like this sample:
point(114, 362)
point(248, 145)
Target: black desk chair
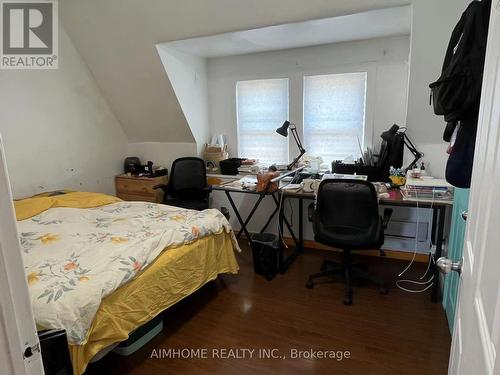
point(346, 216)
point(187, 185)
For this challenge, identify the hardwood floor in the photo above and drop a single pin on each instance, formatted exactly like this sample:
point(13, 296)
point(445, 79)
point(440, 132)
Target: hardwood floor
point(399, 333)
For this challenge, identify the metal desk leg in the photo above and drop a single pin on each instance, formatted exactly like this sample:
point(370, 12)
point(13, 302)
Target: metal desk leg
point(301, 226)
point(249, 217)
point(281, 250)
point(238, 216)
point(441, 214)
point(282, 262)
point(270, 218)
point(284, 219)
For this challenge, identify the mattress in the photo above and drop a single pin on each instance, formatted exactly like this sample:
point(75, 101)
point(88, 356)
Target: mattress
point(99, 267)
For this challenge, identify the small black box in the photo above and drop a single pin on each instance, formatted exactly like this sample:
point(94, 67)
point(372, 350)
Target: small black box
point(230, 166)
point(55, 352)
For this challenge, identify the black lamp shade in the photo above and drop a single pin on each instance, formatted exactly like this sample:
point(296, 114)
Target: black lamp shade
point(389, 135)
point(283, 129)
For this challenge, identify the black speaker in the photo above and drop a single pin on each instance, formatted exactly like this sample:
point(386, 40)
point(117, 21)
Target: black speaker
point(55, 352)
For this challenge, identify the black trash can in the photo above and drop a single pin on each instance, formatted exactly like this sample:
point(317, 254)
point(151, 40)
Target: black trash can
point(265, 248)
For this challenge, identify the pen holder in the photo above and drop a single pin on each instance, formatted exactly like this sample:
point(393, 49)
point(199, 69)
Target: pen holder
point(398, 180)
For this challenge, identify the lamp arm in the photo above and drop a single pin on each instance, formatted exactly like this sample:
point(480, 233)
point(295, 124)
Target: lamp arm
point(299, 145)
point(417, 154)
point(292, 164)
point(297, 139)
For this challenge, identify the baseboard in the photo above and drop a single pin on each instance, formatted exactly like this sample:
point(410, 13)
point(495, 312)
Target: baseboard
point(391, 254)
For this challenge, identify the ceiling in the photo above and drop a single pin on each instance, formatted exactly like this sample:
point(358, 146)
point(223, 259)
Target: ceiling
point(117, 40)
point(359, 26)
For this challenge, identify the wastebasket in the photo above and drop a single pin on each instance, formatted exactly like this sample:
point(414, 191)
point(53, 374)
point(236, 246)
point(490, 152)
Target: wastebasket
point(265, 248)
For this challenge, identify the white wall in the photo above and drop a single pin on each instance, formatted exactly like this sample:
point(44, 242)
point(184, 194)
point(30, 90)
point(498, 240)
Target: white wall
point(433, 22)
point(385, 60)
point(58, 130)
point(117, 40)
point(188, 75)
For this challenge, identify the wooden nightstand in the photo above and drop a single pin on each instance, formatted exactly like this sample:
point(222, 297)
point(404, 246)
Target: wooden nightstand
point(133, 188)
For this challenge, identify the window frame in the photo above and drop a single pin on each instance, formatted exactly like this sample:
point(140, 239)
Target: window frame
point(235, 108)
point(296, 99)
point(370, 70)
point(367, 140)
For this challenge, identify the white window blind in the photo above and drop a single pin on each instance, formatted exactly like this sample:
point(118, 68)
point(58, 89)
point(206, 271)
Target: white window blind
point(262, 107)
point(334, 115)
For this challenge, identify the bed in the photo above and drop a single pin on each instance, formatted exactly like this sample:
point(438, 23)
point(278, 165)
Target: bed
point(100, 268)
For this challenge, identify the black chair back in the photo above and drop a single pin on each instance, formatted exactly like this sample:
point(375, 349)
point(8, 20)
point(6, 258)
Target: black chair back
point(188, 177)
point(347, 214)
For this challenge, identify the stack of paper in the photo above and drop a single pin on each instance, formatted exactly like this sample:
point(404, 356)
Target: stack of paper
point(249, 166)
point(433, 188)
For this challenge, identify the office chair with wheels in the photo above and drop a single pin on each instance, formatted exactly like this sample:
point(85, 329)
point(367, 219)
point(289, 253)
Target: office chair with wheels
point(346, 216)
point(187, 185)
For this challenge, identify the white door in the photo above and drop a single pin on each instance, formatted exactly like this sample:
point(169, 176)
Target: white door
point(476, 336)
point(17, 325)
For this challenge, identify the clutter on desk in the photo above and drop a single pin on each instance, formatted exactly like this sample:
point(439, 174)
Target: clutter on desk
point(234, 166)
point(230, 166)
point(397, 176)
point(213, 155)
point(245, 183)
point(132, 166)
point(382, 191)
point(310, 185)
point(288, 186)
point(249, 166)
point(312, 163)
point(427, 188)
point(264, 182)
point(357, 168)
point(341, 176)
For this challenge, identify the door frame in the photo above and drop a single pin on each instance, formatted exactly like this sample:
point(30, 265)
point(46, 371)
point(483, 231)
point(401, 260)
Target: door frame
point(17, 324)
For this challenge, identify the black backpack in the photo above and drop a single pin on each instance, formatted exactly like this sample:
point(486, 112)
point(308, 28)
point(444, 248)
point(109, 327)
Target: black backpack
point(457, 92)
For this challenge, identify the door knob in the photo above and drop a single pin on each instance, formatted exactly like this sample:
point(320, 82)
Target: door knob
point(446, 265)
point(465, 214)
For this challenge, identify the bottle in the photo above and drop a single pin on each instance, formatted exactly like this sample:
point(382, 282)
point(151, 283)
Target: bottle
point(422, 169)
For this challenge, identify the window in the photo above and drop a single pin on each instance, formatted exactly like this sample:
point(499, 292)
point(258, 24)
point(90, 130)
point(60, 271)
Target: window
point(262, 107)
point(334, 115)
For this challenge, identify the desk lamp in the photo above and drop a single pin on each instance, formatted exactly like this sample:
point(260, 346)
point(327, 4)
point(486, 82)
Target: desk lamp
point(395, 131)
point(283, 130)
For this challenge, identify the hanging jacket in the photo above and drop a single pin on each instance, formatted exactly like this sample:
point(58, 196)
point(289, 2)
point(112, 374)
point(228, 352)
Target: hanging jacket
point(457, 92)
point(456, 95)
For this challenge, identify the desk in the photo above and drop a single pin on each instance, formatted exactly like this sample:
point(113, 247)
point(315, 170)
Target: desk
point(227, 189)
point(244, 223)
point(396, 199)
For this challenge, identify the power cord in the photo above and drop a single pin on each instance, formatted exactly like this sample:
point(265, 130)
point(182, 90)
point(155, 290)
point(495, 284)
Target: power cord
point(428, 283)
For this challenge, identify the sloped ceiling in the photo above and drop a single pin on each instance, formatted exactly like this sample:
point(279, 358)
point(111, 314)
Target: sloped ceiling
point(117, 40)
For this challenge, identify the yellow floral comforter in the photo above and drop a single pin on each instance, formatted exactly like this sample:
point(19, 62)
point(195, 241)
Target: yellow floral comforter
point(75, 257)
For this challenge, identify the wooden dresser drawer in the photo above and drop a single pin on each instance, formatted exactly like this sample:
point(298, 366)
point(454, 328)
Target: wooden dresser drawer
point(132, 188)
